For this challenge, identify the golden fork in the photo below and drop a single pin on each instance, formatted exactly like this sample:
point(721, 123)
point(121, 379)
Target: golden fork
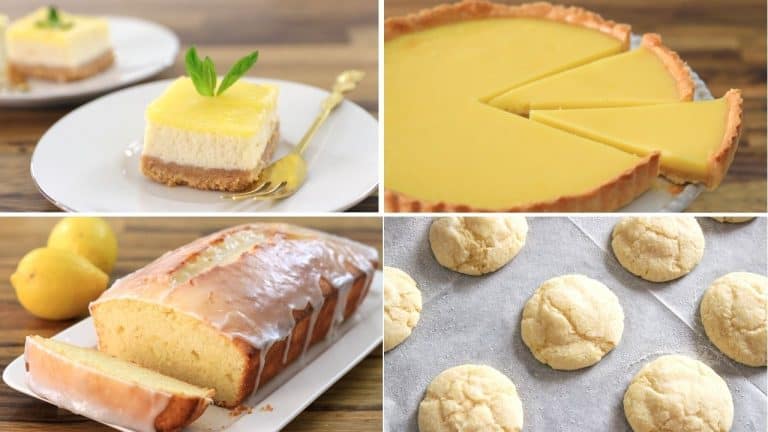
point(283, 177)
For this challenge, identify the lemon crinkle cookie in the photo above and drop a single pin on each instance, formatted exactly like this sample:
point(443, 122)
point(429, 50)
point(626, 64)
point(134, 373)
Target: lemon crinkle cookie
point(571, 322)
point(675, 393)
point(734, 315)
point(658, 248)
point(471, 398)
point(477, 245)
point(402, 306)
point(733, 219)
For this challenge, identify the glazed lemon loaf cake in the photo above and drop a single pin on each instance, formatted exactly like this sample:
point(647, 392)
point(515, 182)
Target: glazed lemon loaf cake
point(96, 385)
point(231, 310)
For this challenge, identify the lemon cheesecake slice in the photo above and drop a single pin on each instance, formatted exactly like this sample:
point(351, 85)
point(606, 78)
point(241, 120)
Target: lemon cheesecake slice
point(697, 140)
point(650, 74)
point(215, 143)
point(58, 46)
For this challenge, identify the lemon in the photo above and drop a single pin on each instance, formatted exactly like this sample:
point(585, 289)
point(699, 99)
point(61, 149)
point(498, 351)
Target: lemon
point(57, 284)
point(90, 237)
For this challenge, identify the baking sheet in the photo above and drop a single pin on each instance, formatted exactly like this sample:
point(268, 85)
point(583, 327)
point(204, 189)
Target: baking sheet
point(468, 319)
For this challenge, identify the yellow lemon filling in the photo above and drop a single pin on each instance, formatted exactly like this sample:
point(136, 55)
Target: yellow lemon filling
point(634, 78)
point(444, 144)
point(687, 134)
point(481, 162)
point(240, 111)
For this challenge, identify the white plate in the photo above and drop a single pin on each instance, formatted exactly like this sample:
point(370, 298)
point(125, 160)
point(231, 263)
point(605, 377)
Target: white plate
point(89, 160)
point(142, 49)
point(288, 393)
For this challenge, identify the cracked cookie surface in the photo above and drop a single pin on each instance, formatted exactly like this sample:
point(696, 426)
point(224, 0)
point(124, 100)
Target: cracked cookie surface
point(402, 306)
point(471, 398)
point(733, 312)
point(660, 248)
point(675, 393)
point(477, 245)
point(571, 322)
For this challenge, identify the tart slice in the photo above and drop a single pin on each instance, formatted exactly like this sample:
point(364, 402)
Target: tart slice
point(57, 46)
point(649, 74)
point(104, 388)
point(697, 140)
point(514, 164)
point(208, 139)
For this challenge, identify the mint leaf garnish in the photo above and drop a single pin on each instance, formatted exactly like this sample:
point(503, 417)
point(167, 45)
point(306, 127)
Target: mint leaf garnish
point(196, 71)
point(203, 72)
point(53, 21)
point(238, 70)
point(209, 72)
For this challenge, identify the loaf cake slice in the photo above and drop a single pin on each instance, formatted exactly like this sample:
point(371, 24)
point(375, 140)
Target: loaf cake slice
point(231, 310)
point(110, 390)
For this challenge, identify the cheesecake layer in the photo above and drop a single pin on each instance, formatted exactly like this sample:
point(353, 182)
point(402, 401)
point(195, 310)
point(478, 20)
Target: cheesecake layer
point(209, 150)
point(19, 71)
point(80, 42)
point(230, 180)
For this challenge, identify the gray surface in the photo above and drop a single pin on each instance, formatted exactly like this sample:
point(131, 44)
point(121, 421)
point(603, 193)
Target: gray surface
point(469, 319)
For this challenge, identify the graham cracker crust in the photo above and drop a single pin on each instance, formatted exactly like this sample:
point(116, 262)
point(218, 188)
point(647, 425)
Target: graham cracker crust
point(19, 72)
point(218, 179)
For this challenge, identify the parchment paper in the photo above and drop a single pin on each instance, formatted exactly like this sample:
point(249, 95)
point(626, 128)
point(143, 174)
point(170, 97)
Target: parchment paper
point(468, 319)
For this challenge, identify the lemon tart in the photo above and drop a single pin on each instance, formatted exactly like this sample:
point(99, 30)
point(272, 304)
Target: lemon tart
point(58, 46)
point(697, 140)
point(608, 82)
point(453, 73)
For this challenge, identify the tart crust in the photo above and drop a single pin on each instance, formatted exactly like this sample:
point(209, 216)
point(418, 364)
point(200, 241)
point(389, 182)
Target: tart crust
point(606, 197)
point(721, 160)
point(673, 63)
point(480, 9)
point(173, 174)
point(19, 72)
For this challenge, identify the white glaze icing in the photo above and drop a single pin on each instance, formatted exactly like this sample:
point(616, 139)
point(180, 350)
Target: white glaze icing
point(89, 392)
point(312, 321)
point(262, 362)
point(287, 348)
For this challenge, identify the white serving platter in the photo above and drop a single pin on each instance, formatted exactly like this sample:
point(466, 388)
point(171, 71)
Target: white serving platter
point(288, 394)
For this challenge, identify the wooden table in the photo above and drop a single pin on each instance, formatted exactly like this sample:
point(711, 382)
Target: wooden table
point(304, 41)
point(725, 43)
point(352, 404)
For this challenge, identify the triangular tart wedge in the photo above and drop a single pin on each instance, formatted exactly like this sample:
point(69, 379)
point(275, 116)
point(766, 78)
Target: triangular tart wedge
point(697, 140)
point(514, 164)
point(650, 74)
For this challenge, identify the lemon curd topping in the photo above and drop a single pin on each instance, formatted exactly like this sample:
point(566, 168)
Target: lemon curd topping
point(633, 78)
point(687, 134)
point(241, 111)
point(28, 28)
